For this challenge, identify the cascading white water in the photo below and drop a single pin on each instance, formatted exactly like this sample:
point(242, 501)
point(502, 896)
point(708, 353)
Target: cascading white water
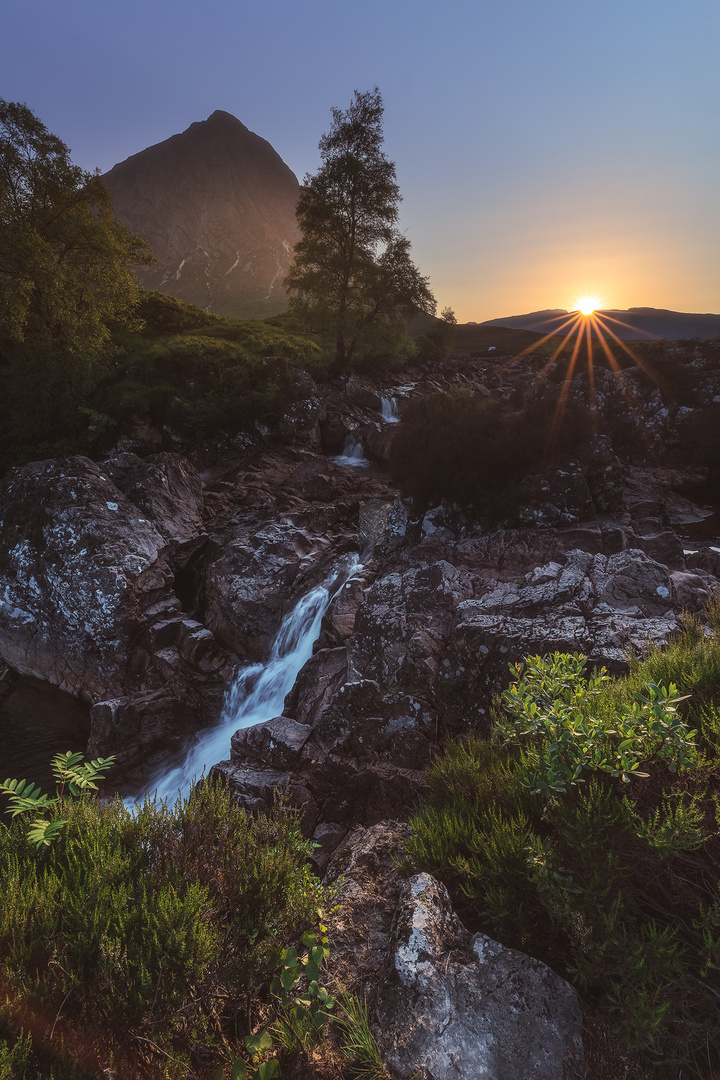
point(353, 452)
point(389, 410)
point(258, 692)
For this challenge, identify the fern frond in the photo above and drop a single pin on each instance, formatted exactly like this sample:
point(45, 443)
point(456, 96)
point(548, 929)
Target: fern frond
point(44, 832)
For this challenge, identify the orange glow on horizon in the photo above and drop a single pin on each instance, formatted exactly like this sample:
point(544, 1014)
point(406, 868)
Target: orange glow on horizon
point(588, 304)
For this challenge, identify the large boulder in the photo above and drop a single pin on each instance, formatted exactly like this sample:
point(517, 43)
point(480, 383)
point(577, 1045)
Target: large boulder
point(88, 601)
point(442, 1003)
point(460, 1007)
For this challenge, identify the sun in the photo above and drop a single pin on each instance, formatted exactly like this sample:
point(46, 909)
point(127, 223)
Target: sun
point(588, 304)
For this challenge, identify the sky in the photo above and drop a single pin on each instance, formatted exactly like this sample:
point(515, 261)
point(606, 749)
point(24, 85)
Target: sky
point(545, 151)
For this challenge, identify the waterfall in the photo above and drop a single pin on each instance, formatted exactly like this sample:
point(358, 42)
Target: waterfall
point(353, 452)
point(258, 692)
point(389, 410)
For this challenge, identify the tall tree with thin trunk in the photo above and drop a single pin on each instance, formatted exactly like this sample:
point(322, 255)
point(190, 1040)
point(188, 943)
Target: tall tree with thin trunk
point(352, 268)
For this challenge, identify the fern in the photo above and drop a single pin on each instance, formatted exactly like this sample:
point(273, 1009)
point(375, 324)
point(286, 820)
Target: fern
point(71, 773)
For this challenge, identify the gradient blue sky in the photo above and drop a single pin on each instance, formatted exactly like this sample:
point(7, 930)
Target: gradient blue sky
point(545, 150)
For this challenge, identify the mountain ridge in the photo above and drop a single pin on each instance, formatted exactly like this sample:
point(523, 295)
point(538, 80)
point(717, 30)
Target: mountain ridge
point(216, 203)
point(640, 323)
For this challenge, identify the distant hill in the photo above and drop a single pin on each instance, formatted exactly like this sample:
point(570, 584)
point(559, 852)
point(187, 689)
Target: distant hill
point(632, 325)
point(217, 206)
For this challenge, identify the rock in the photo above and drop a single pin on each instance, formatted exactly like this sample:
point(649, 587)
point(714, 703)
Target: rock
point(276, 742)
point(557, 496)
point(257, 788)
point(316, 685)
point(462, 1007)
point(87, 597)
point(133, 727)
point(601, 606)
point(250, 581)
point(327, 838)
point(168, 490)
point(365, 867)
point(300, 422)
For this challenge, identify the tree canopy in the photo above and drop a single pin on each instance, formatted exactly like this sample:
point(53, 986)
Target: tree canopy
point(66, 263)
point(352, 268)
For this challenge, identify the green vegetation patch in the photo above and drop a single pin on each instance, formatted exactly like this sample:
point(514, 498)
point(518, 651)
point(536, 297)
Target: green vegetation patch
point(586, 831)
point(150, 930)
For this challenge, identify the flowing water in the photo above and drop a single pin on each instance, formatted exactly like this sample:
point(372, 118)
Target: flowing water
point(258, 692)
point(389, 410)
point(353, 453)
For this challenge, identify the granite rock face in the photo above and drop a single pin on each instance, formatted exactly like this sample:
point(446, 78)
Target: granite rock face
point(442, 1003)
point(217, 206)
point(463, 1007)
point(87, 597)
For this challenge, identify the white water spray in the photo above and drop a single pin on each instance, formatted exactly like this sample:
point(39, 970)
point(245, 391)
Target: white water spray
point(389, 410)
point(258, 692)
point(353, 453)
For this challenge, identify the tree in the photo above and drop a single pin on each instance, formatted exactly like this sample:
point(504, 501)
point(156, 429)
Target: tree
point(352, 268)
point(66, 263)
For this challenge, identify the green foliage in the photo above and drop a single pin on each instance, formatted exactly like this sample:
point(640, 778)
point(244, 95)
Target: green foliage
point(352, 267)
point(66, 276)
point(66, 262)
point(153, 923)
point(359, 1045)
point(615, 884)
point(548, 707)
point(74, 778)
point(14, 1055)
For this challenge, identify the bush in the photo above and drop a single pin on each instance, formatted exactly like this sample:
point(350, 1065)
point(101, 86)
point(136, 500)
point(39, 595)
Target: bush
point(153, 924)
point(476, 451)
point(613, 883)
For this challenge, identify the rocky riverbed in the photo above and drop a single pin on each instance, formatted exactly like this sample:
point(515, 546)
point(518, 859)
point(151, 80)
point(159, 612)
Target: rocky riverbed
point(141, 584)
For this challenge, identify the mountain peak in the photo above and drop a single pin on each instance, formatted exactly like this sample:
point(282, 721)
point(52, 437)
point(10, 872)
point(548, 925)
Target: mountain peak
point(216, 203)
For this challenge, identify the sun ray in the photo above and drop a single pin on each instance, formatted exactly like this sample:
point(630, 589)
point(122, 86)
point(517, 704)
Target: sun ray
point(565, 390)
point(553, 333)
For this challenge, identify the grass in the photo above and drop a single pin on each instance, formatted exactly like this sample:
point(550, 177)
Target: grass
point(614, 884)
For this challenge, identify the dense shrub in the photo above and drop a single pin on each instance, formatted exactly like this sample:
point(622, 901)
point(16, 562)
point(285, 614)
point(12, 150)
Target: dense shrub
point(608, 872)
point(475, 451)
point(153, 924)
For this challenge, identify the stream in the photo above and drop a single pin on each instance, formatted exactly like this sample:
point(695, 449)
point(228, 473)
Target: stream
point(256, 694)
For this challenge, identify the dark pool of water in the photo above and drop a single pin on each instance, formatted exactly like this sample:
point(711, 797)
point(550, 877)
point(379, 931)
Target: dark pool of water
point(36, 722)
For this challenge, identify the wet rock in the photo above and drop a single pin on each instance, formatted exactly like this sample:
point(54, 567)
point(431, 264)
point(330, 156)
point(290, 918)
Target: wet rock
point(462, 1007)
point(131, 728)
point(276, 742)
point(251, 580)
point(317, 683)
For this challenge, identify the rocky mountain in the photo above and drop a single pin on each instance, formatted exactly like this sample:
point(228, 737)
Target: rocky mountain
point(217, 205)
point(634, 324)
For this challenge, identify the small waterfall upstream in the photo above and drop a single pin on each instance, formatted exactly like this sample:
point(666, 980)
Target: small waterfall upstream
point(258, 692)
point(389, 410)
point(353, 452)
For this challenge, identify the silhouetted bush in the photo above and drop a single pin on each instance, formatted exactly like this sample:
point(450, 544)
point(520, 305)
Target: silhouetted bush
point(475, 451)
